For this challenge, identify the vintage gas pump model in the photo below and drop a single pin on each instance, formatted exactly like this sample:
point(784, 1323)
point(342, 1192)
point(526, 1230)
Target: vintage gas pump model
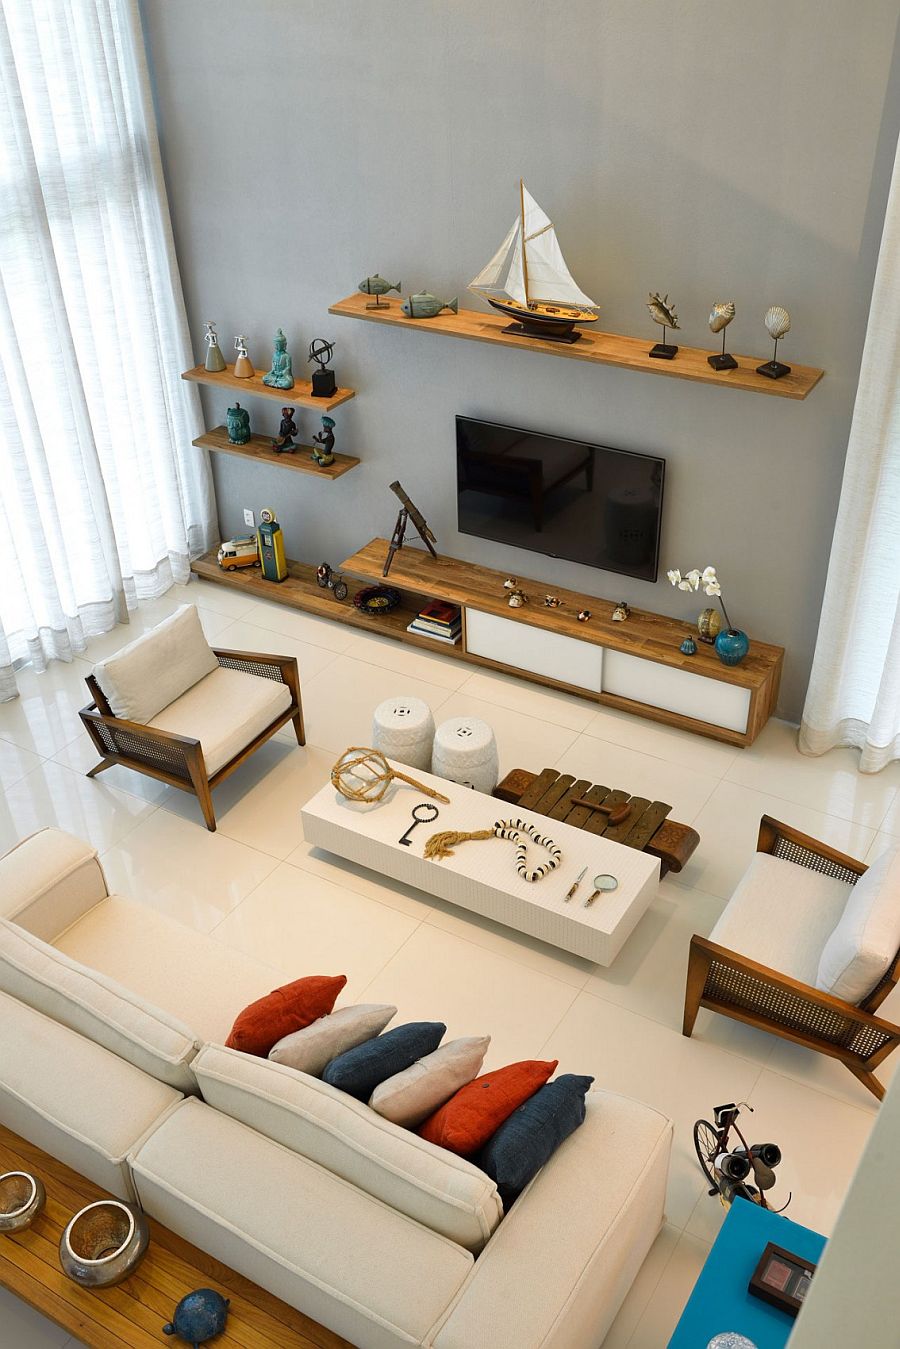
point(271, 547)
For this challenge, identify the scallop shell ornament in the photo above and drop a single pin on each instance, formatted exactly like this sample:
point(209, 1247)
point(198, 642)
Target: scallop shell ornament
point(777, 321)
point(721, 315)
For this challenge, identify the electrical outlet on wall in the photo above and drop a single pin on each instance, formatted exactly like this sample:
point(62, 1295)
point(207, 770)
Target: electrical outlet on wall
point(249, 518)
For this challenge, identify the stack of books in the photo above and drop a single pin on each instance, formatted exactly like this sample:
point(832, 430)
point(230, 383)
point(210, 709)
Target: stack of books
point(439, 621)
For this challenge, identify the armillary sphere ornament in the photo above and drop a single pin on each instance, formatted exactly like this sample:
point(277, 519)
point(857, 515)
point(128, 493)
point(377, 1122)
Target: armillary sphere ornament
point(324, 384)
point(321, 351)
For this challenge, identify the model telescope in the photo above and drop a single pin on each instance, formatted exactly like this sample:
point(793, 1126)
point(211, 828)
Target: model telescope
point(408, 511)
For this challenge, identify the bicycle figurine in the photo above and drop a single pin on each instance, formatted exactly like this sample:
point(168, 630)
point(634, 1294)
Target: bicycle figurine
point(328, 579)
point(727, 1167)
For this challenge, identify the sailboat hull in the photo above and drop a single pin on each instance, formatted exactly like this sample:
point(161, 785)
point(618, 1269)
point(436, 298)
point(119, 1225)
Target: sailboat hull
point(548, 322)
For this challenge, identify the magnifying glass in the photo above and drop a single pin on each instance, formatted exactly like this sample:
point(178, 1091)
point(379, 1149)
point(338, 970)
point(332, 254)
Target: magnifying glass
point(602, 882)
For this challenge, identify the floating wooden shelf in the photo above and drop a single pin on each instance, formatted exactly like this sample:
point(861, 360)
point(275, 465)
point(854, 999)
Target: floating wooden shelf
point(630, 353)
point(299, 396)
point(259, 448)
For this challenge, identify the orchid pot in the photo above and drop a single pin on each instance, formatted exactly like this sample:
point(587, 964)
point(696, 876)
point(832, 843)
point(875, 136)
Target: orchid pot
point(731, 643)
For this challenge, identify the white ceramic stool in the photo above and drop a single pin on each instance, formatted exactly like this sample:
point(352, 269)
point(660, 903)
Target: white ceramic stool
point(465, 751)
point(403, 729)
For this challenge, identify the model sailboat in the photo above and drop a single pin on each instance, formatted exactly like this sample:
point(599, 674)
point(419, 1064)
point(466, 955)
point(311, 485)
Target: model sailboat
point(527, 278)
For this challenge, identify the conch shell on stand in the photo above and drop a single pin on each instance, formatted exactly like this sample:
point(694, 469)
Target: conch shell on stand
point(721, 315)
point(662, 310)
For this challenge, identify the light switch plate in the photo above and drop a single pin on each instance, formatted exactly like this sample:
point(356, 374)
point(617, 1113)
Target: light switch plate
point(249, 518)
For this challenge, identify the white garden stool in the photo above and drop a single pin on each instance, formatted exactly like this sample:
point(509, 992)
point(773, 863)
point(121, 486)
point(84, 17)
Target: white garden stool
point(403, 729)
point(465, 751)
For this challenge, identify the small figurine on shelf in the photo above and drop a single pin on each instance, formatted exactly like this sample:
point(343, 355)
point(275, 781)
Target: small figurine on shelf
point(583, 615)
point(517, 596)
point(286, 431)
point(621, 613)
point(778, 322)
point(324, 439)
point(215, 361)
point(377, 286)
point(243, 367)
point(552, 602)
point(281, 375)
point(662, 311)
point(720, 316)
point(328, 579)
point(324, 384)
point(238, 422)
point(424, 305)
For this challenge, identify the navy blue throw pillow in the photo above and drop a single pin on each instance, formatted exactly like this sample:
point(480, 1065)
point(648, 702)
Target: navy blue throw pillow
point(528, 1139)
point(360, 1070)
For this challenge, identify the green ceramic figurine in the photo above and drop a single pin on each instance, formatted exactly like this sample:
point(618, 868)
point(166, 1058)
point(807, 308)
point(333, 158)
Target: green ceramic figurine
point(238, 421)
point(323, 450)
point(215, 361)
point(281, 375)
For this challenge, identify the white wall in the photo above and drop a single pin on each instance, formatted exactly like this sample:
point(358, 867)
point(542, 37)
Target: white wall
point(708, 150)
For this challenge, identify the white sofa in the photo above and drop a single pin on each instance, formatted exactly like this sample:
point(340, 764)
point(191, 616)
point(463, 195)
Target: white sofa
point(112, 1022)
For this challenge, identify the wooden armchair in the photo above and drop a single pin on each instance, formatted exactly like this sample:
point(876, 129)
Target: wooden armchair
point(179, 759)
point(725, 981)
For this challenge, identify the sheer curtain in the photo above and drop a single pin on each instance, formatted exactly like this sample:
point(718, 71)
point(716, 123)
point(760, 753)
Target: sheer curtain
point(103, 500)
point(854, 690)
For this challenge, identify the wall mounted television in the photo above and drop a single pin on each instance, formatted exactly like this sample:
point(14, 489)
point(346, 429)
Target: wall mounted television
point(586, 503)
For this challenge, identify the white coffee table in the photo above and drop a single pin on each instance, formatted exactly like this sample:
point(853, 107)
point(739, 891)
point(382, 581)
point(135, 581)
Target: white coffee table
point(481, 876)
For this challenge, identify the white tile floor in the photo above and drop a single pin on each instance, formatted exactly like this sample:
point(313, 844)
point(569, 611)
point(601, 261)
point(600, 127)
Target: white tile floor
point(258, 886)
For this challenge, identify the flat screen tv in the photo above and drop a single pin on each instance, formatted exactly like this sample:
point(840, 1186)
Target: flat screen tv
point(586, 503)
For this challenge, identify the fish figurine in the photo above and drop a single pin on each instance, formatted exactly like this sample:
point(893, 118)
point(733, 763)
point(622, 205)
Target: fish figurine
point(662, 311)
point(426, 306)
point(376, 285)
point(721, 315)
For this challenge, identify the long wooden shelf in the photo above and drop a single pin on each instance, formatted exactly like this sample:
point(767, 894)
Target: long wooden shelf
point(259, 448)
point(629, 353)
point(299, 396)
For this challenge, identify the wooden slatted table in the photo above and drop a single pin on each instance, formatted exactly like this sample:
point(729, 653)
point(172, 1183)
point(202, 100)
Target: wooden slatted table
point(134, 1312)
point(558, 796)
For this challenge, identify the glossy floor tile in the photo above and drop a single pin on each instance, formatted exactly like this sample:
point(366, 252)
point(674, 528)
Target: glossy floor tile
point(257, 886)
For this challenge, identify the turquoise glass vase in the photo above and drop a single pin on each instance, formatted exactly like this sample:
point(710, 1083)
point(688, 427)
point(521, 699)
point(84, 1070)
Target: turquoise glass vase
point(732, 646)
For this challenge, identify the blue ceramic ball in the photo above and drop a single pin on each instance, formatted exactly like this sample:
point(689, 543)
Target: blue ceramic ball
point(199, 1317)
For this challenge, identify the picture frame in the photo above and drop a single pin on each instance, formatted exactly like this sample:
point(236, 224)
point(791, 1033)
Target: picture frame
point(782, 1278)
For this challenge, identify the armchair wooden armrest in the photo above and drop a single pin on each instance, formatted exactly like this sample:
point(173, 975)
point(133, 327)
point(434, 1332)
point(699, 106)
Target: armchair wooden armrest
point(781, 840)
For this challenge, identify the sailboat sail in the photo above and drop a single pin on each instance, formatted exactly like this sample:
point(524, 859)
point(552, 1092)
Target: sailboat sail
point(530, 265)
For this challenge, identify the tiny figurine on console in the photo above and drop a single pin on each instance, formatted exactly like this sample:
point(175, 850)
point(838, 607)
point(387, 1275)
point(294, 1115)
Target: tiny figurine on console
point(324, 384)
point(328, 579)
point(238, 422)
point(377, 286)
point(281, 375)
point(517, 596)
point(286, 431)
point(324, 454)
point(427, 306)
point(215, 361)
point(583, 615)
point(621, 612)
point(688, 646)
point(552, 602)
point(720, 316)
point(243, 366)
point(270, 542)
point(778, 322)
point(662, 311)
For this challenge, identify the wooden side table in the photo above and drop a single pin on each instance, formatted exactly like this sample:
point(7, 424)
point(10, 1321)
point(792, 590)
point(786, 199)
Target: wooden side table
point(720, 1300)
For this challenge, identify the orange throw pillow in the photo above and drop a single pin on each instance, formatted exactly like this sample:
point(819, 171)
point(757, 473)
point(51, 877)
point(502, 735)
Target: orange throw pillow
point(466, 1122)
point(284, 1010)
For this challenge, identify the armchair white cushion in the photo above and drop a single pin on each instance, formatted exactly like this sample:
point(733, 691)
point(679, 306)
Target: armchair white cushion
point(225, 711)
point(151, 672)
point(781, 915)
point(866, 939)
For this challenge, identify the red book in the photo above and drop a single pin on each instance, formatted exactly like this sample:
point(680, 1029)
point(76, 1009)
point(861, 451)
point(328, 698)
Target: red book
point(439, 611)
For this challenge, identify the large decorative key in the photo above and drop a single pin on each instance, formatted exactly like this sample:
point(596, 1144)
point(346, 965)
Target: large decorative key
point(423, 814)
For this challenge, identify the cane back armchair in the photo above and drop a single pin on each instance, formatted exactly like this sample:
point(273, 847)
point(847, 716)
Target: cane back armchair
point(725, 981)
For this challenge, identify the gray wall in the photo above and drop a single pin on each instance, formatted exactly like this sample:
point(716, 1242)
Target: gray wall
point(708, 150)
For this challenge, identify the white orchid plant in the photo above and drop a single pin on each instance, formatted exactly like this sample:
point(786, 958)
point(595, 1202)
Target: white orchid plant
point(695, 580)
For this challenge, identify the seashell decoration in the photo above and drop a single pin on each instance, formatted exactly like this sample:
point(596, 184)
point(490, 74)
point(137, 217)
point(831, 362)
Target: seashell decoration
point(777, 321)
point(662, 310)
point(721, 315)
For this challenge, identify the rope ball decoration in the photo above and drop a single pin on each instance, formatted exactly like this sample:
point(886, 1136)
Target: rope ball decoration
point(442, 845)
point(365, 775)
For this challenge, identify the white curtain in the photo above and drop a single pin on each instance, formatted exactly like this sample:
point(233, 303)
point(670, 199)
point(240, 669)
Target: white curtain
point(854, 690)
point(103, 500)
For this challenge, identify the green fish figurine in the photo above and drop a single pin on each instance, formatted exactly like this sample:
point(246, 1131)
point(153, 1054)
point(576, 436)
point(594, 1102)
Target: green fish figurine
point(376, 285)
point(425, 306)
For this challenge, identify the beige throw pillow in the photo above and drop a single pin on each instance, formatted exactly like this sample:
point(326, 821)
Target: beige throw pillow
point(410, 1097)
point(310, 1049)
point(151, 672)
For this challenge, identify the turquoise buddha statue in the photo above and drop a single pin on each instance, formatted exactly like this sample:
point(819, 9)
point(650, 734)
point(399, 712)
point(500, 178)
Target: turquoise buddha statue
point(281, 375)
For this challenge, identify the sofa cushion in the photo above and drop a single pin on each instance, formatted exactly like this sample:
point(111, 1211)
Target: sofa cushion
point(477, 1110)
point(73, 1098)
point(528, 1139)
point(441, 1191)
point(359, 1071)
point(149, 673)
point(781, 916)
point(866, 939)
point(409, 1097)
point(48, 881)
point(310, 1049)
point(352, 1264)
point(224, 711)
point(288, 1008)
point(97, 1007)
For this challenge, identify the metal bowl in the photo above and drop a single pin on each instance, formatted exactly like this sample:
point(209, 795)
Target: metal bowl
point(103, 1243)
point(22, 1197)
